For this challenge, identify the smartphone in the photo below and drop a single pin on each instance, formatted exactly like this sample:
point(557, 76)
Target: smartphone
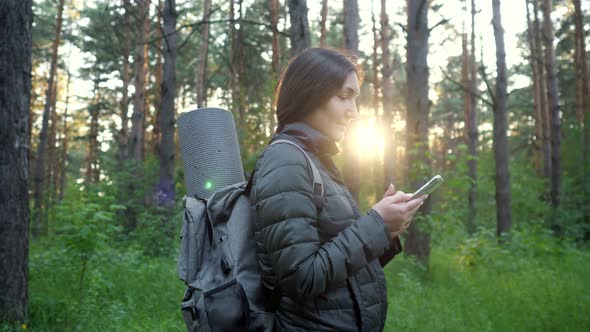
point(429, 187)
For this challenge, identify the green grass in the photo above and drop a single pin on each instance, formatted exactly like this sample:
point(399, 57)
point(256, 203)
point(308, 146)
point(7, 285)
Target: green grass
point(121, 291)
point(495, 290)
point(515, 293)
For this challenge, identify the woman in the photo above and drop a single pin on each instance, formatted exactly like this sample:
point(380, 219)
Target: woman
point(325, 263)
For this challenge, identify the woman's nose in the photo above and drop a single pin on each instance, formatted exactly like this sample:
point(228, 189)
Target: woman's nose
point(352, 113)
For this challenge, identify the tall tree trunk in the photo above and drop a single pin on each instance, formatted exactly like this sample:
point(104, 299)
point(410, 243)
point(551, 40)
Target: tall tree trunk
point(156, 134)
point(417, 107)
point(581, 65)
point(582, 100)
point(49, 196)
point(167, 114)
point(274, 65)
point(351, 26)
point(503, 196)
point(352, 170)
point(237, 109)
point(140, 62)
point(202, 60)
point(65, 135)
point(472, 130)
point(91, 153)
point(467, 113)
point(387, 91)
point(300, 37)
point(40, 163)
point(544, 96)
point(554, 107)
point(536, 88)
point(377, 180)
point(465, 71)
point(16, 17)
point(123, 136)
point(323, 21)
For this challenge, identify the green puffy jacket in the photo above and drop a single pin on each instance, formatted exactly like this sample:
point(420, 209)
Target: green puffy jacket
point(327, 265)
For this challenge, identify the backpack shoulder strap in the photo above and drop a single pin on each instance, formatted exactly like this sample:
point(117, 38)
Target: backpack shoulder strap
point(318, 184)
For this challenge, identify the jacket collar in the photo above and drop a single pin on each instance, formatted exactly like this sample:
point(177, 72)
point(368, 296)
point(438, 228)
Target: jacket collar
point(311, 138)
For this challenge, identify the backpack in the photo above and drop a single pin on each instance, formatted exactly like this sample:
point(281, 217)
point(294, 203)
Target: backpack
point(217, 261)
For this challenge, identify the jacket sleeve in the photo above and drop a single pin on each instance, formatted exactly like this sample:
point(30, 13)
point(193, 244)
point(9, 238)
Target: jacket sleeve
point(288, 231)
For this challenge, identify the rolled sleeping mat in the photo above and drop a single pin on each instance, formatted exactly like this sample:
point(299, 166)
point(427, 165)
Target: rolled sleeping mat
point(210, 150)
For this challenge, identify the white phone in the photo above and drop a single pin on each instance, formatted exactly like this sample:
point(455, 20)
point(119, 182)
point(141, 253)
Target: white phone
point(429, 187)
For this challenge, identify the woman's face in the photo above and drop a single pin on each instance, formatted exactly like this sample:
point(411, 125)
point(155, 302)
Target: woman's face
point(332, 118)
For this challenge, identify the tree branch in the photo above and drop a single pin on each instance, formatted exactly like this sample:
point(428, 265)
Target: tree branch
point(482, 70)
point(466, 89)
point(441, 22)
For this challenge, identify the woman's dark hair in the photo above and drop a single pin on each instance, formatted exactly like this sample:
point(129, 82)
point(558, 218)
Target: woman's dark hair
point(310, 80)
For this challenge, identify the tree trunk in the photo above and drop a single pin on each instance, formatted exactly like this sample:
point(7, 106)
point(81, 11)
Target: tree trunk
point(544, 97)
point(582, 99)
point(167, 115)
point(156, 134)
point(417, 108)
point(140, 61)
point(503, 196)
point(323, 20)
point(64, 141)
point(536, 88)
point(123, 136)
point(472, 130)
point(91, 153)
point(387, 91)
point(202, 60)
point(581, 65)
point(351, 170)
point(300, 37)
point(16, 17)
point(554, 108)
point(467, 113)
point(274, 65)
point(377, 179)
point(40, 163)
point(49, 196)
point(235, 79)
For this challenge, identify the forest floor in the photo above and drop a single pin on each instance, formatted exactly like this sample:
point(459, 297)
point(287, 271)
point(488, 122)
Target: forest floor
point(471, 288)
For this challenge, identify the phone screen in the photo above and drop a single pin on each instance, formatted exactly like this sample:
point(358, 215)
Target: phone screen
point(429, 187)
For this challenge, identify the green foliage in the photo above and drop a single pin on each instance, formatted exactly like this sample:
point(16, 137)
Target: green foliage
point(526, 290)
point(125, 291)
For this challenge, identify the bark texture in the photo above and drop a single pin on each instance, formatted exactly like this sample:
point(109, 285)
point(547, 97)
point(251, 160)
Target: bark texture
point(545, 118)
point(38, 178)
point(418, 108)
point(123, 136)
point(352, 171)
point(472, 132)
point(503, 196)
point(389, 155)
point(554, 107)
point(167, 114)
point(203, 51)
point(274, 65)
point(300, 37)
point(16, 17)
point(136, 142)
point(323, 20)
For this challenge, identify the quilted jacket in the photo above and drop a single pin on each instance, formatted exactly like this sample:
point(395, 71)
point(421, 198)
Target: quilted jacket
point(327, 264)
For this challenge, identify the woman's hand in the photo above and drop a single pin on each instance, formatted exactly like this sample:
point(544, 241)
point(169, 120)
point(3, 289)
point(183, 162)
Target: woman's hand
point(396, 210)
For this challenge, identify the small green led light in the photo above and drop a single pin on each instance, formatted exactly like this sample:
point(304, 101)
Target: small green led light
point(208, 185)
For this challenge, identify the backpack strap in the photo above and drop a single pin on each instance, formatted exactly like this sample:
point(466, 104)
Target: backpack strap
point(318, 184)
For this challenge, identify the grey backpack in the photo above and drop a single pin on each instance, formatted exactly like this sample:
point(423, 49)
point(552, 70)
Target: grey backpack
point(217, 261)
